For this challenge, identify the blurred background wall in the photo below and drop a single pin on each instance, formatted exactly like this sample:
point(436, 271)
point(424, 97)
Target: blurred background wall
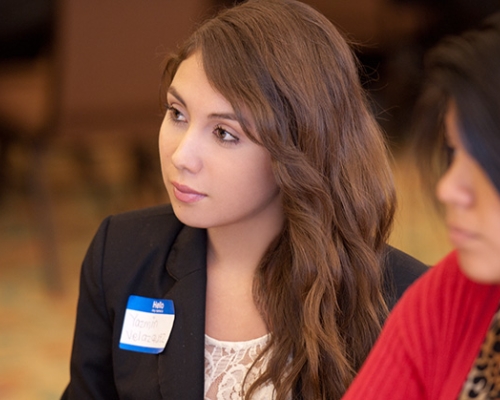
point(79, 118)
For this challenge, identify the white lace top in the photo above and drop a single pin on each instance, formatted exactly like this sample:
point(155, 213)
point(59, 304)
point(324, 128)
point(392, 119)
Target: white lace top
point(226, 365)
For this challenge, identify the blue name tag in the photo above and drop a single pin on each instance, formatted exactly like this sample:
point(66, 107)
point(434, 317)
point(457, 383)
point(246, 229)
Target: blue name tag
point(147, 324)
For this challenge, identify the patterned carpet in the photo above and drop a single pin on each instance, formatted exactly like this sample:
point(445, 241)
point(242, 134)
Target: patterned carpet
point(36, 322)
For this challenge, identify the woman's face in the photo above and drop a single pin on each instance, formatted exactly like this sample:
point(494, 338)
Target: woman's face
point(214, 174)
point(472, 209)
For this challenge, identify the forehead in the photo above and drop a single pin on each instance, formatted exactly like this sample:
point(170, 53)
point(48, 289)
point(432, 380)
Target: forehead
point(190, 69)
point(191, 83)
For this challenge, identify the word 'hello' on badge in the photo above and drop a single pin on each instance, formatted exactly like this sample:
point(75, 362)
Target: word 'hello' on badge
point(147, 324)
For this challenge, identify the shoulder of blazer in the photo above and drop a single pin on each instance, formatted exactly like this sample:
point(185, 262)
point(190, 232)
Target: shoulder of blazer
point(400, 271)
point(141, 231)
point(148, 242)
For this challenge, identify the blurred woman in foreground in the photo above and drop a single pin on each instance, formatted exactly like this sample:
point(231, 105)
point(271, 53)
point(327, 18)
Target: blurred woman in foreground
point(443, 339)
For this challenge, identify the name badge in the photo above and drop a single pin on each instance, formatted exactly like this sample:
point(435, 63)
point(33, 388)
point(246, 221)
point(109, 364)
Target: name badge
point(147, 324)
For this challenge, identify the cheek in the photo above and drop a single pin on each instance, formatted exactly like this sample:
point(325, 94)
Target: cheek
point(165, 146)
point(251, 175)
point(264, 180)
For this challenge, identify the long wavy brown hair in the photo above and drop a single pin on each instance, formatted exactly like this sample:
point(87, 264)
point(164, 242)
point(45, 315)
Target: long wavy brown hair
point(319, 286)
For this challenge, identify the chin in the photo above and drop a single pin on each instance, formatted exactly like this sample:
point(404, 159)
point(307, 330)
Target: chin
point(186, 216)
point(480, 268)
point(190, 217)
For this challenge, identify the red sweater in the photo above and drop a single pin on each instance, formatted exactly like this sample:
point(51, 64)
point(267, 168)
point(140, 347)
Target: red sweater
point(431, 338)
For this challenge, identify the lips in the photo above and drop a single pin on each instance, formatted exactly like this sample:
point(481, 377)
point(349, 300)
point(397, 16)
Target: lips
point(460, 237)
point(185, 194)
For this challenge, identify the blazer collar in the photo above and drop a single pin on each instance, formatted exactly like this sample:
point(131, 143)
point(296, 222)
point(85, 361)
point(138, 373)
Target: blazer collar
point(181, 365)
point(188, 253)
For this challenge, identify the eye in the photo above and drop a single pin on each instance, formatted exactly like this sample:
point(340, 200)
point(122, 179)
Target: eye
point(449, 153)
point(223, 135)
point(174, 114)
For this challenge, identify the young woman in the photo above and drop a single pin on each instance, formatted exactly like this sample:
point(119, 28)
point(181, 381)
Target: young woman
point(271, 259)
point(442, 340)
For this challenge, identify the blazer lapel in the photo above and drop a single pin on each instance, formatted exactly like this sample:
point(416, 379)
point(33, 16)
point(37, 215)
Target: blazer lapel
point(181, 365)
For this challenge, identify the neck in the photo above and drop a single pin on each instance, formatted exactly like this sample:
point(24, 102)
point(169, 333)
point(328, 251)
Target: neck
point(234, 252)
point(240, 247)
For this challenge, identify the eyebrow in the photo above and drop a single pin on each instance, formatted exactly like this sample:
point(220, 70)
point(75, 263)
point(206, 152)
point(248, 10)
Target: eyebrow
point(228, 116)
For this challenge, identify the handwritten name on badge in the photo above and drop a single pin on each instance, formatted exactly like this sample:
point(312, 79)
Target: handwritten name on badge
point(147, 324)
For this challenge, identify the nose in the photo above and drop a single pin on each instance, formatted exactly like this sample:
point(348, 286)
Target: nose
point(454, 188)
point(185, 155)
point(182, 146)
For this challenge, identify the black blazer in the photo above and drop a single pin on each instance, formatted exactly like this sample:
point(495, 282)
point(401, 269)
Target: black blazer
point(152, 254)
